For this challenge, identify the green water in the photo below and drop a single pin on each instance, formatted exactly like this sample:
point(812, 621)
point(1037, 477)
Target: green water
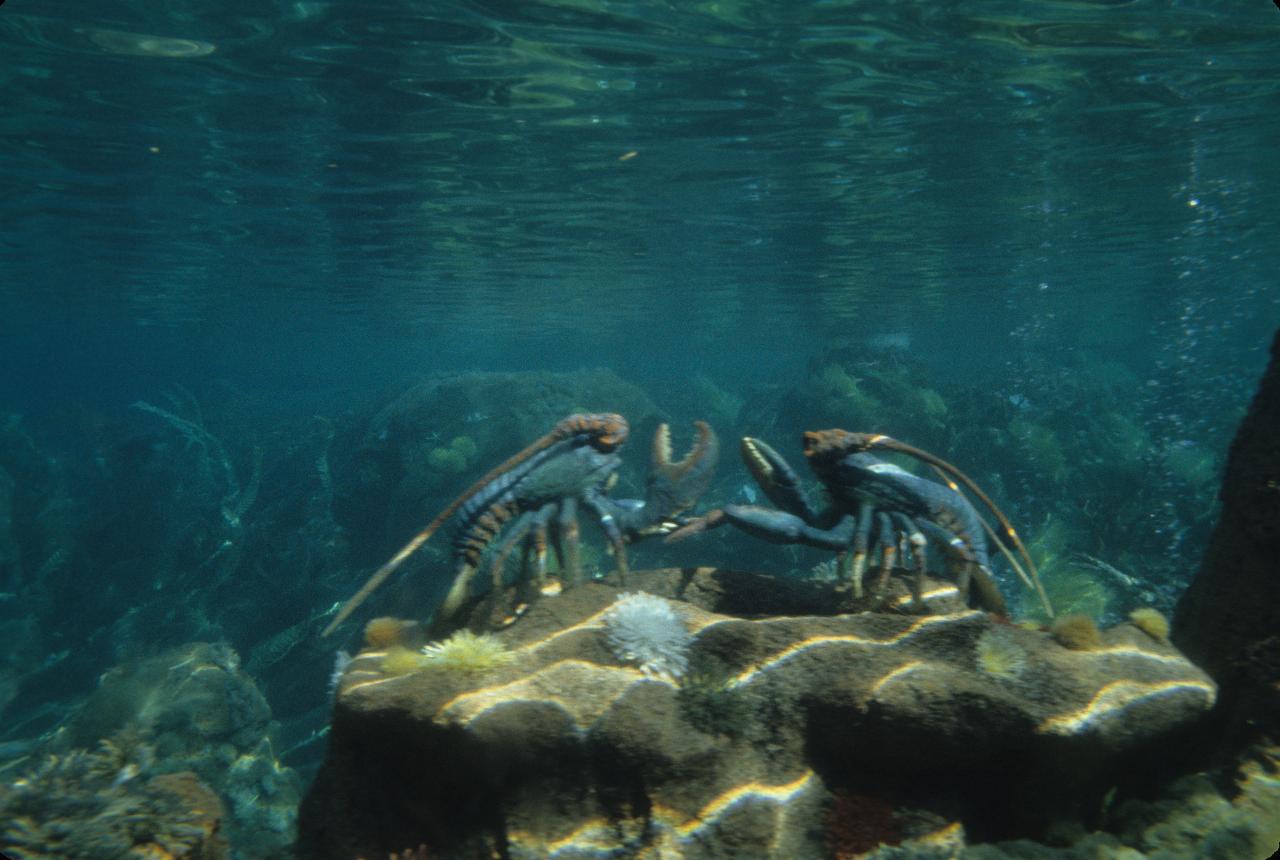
point(1038, 238)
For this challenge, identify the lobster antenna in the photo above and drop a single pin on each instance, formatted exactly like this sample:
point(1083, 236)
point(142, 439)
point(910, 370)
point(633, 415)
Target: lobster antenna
point(867, 441)
point(612, 427)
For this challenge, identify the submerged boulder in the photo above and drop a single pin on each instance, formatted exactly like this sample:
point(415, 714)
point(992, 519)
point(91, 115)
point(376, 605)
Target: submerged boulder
point(90, 804)
point(194, 709)
point(907, 726)
point(1228, 620)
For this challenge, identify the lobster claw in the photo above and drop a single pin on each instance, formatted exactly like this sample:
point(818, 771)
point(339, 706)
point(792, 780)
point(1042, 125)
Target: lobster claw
point(674, 486)
point(774, 475)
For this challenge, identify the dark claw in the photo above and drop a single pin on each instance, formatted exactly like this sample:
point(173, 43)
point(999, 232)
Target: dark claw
point(697, 525)
point(781, 527)
point(674, 487)
point(775, 477)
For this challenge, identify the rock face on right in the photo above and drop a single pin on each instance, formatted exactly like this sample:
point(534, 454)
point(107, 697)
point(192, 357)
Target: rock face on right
point(1229, 619)
point(790, 736)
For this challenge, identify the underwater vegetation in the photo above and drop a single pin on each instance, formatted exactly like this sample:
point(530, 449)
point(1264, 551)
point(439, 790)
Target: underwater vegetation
point(886, 392)
point(1081, 584)
point(195, 709)
point(454, 458)
point(1074, 587)
point(720, 407)
point(1083, 452)
point(400, 660)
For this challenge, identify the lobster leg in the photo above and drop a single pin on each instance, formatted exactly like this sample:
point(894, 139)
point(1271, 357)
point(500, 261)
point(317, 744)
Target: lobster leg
point(517, 532)
point(536, 545)
point(888, 550)
point(595, 502)
point(860, 545)
point(961, 557)
point(916, 541)
point(568, 536)
point(968, 568)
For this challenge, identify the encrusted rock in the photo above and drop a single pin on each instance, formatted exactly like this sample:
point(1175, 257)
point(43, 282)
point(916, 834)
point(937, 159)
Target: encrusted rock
point(567, 752)
point(85, 804)
point(1227, 621)
point(195, 709)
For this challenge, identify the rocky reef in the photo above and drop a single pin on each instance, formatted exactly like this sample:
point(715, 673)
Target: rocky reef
point(782, 731)
point(169, 757)
point(1227, 619)
point(85, 805)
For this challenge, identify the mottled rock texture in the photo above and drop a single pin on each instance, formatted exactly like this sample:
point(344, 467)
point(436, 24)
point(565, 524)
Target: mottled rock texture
point(195, 709)
point(87, 805)
point(797, 735)
point(1229, 619)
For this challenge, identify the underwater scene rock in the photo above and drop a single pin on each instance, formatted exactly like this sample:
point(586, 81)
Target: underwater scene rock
point(763, 726)
point(169, 758)
point(1227, 618)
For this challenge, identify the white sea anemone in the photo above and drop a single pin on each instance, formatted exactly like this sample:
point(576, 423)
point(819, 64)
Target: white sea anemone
point(645, 630)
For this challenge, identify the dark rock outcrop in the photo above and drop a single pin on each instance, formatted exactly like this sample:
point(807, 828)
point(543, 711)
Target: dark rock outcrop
point(792, 736)
point(1228, 621)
